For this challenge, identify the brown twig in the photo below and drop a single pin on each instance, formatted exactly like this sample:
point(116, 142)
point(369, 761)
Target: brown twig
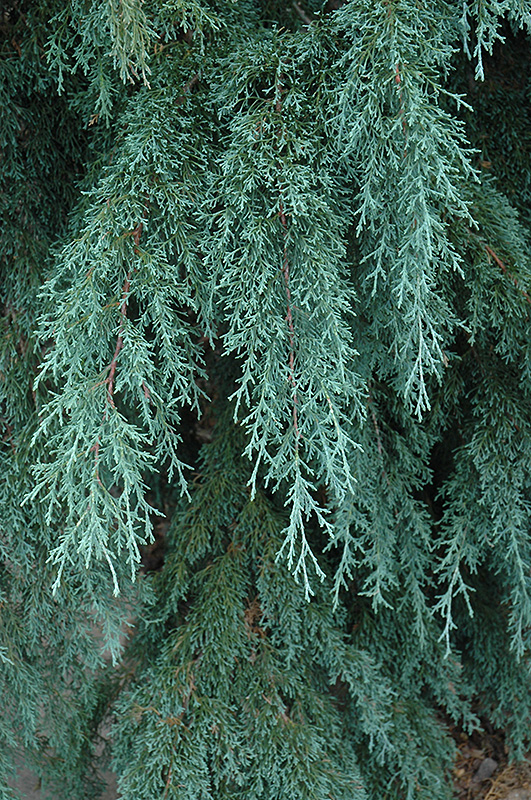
point(398, 81)
point(378, 438)
point(301, 12)
point(289, 320)
point(168, 782)
point(119, 340)
point(8, 436)
point(187, 88)
point(499, 262)
point(112, 366)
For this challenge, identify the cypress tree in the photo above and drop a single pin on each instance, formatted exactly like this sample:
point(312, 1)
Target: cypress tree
point(265, 294)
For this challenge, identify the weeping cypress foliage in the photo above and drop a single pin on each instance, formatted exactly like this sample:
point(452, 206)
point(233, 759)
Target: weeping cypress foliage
point(265, 285)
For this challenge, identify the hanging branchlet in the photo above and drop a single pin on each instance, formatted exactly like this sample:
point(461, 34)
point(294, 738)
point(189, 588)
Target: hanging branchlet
point(132, 303)
point(277, 263)
point(390, 122)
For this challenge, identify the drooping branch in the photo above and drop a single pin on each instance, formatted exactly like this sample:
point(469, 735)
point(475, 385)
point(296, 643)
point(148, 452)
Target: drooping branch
point(286, 276)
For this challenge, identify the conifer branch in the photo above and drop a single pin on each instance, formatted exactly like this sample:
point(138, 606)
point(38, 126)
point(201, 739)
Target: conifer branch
point(283, 167)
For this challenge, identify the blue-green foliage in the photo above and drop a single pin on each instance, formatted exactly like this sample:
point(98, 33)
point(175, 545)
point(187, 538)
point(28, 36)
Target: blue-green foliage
point(265, 286)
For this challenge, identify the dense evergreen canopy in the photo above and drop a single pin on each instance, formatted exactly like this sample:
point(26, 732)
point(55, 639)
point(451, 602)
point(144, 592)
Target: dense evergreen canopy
point(265, 278)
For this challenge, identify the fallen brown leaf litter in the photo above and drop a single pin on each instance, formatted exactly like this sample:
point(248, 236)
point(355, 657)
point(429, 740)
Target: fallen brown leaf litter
point(482, 770)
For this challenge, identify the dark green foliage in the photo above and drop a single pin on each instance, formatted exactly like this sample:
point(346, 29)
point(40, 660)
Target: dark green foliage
point(265, 293)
